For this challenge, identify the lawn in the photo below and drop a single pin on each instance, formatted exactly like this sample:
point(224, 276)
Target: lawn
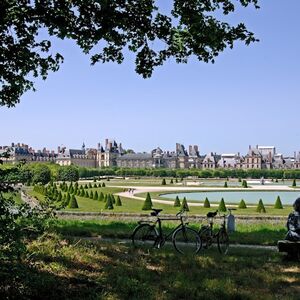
point(58, 268)
point(257, 234)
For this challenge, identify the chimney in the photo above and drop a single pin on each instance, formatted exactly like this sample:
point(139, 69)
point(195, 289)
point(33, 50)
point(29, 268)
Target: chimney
point(238, 154)
point(196, 148)
point(190, 149)
point(294, 154)
point(12, 144)
point(58, 149)
point(106, 143)
point(98, 146)
point(249, 147)
point(256, 146)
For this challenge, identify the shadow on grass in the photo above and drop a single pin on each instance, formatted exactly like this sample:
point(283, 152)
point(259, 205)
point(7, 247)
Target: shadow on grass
point(63, 269)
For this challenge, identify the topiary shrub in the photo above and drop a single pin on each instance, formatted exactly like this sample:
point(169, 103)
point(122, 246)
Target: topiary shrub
point(73, 202)
point(177, 202)
point(113, 198)
point(222, 206)
point(244, 184)
point(103, 184)
point(294, 183)
point(96, 195)
point(90, 185)
point(184, 205)
point(206, 203)
point(109, 203)
point(242, 204)
point(87, 194)
point(171, 181)
point(118, 201)
point(101, 196)
point(148, 203)
point(91, 195)
point(278, 204)
point(225, 184)
point(163, 182)
point(260, 207)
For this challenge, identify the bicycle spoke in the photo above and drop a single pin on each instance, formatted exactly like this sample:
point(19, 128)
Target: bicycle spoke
point(144, 235)
point(186, 241)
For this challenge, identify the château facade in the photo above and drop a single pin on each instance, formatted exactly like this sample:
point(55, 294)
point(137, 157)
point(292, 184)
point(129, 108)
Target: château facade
point(112, 154)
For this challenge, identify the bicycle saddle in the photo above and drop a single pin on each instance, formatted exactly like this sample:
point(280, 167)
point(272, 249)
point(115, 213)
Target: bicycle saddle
point(155, 211)
point(212, 214)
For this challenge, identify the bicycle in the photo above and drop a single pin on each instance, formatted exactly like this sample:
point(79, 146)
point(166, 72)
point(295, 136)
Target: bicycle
point(208, 235)
point(185, 239)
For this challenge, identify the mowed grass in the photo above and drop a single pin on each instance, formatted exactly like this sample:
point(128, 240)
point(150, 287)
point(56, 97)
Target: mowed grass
point(75, 269)
point(253, 234)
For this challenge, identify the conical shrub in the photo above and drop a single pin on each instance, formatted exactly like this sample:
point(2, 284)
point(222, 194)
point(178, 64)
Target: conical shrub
point(96, 195)
point(184, 205)
point(278, 204)
point(91, 195)
point(73, 202)
point(225, 184)
point(206, 203)
point(109, 203)
point(294, 183)
point(260, 207)
point(163, 182)
point(222, 206)
point(148, 203)
point(118, 201)
point(242, 204)
point(101, 196)
point(177, 202)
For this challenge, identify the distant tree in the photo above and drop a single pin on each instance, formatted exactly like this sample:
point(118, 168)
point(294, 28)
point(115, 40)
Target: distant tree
point(225, 184)
point(163, 182)
point(96, 195)
point(68, 173)
point(260, 207)
point(148, 203)
point(184, 205)
point(118, 201)
point(222, 206)
point(278, 204)
point(242, 204)
point(41, 174)
point(294, 183)
point(177, 202)
point(73, 203)
point(206, 203)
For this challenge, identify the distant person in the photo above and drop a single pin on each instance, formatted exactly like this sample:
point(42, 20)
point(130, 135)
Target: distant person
point(293, 223)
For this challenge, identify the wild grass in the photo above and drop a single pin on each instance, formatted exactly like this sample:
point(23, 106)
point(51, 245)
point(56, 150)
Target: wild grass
point(58, 268)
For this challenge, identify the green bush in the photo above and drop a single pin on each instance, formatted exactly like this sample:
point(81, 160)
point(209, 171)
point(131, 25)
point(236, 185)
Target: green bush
point(103, 184)
point(242, 204)
point(244, 184)
point(101, 196)
point(118, 201)
point(171, 181)
point(294, 183)
point(184, 205)
point(225, 184)
point(260, 207)
point(73, 202)
point(206, 203)
point(177, 202)
point(96, 195)
point(148, 203)
point(113, 198)
point(109, 203)
point(278, 204)
point(163, 182)
point(222, 206)
point(91, 195)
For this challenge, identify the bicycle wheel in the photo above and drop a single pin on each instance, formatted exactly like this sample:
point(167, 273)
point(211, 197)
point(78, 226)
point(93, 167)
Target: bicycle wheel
point(144, 235)
point(223, 242)
point(186, 240)
point(206, 236)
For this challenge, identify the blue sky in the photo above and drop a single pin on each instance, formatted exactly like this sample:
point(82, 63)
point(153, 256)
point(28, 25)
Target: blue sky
point(249, 96)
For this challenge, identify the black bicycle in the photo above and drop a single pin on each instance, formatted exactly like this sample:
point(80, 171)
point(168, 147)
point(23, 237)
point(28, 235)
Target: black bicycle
point(220, 236)
point(185, 239)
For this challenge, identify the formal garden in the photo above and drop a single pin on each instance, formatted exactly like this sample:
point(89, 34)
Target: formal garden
point(47, 249)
